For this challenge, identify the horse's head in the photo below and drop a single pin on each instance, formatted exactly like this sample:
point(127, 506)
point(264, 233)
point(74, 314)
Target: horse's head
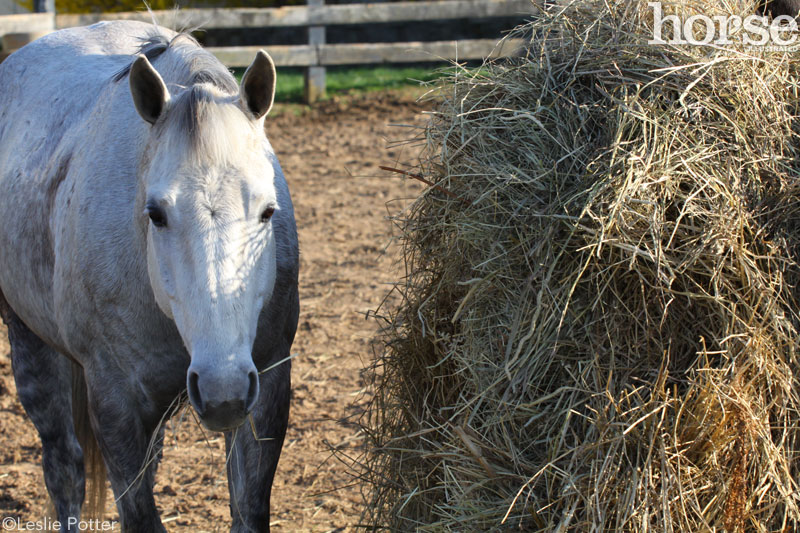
point(207, 197)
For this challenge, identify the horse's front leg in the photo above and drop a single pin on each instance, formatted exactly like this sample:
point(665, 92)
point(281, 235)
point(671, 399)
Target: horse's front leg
point(124, 421)
point(43, 383)
point(253, 452)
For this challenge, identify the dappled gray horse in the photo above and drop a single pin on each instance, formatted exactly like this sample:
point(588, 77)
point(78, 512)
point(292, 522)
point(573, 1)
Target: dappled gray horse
point(147, 247)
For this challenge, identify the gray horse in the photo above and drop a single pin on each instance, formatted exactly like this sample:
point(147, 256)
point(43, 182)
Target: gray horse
point(148, 246)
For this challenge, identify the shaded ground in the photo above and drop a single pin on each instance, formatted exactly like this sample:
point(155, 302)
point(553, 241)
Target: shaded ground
point(330, 156)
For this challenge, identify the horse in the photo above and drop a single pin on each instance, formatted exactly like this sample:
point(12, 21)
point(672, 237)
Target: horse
point(148, 252)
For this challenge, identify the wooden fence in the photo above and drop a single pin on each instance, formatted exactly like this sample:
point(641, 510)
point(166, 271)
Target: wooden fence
point(315, 16)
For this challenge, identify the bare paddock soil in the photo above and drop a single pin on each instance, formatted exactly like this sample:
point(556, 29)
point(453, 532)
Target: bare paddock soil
point(330, 155)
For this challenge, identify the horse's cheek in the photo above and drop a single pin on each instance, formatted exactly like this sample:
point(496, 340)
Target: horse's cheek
point(161, 280)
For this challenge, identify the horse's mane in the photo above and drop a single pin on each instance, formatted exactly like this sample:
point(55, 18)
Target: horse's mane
point(191, 65)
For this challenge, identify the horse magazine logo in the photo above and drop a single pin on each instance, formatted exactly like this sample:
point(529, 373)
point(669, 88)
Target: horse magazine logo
point(720, 30)
point(11, 523)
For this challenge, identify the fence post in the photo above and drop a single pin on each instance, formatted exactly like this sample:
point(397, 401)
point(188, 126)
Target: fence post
point(44, 6)
point(315, 74)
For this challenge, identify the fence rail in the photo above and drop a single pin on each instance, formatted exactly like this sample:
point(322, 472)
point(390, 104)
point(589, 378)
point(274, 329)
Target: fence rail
point(354, 54)
point(326, 15)
point(32, 22)
point(316, 55)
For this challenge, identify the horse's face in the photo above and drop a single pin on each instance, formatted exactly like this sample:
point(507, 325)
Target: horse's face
point(209, 198)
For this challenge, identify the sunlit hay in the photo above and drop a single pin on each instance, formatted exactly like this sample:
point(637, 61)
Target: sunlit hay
point(599, 333)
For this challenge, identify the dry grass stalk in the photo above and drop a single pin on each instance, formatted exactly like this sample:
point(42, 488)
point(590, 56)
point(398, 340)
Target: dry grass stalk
point(604, 337)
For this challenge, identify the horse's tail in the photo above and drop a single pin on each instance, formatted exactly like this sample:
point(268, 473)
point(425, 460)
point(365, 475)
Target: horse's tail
point(95, 503)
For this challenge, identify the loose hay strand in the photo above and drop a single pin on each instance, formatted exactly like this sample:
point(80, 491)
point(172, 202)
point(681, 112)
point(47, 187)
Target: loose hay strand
point(603, 336)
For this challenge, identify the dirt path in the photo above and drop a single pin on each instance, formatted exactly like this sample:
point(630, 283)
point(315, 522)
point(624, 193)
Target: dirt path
point(330, 156)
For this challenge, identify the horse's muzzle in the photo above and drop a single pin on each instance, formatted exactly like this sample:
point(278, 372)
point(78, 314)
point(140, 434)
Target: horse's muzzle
point(222, 396)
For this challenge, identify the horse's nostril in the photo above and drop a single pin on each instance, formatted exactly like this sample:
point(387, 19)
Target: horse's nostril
point(252, 391)
point(194, 392)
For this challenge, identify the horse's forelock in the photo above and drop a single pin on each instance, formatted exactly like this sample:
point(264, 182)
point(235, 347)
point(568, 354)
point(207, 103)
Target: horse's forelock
point(207, 122)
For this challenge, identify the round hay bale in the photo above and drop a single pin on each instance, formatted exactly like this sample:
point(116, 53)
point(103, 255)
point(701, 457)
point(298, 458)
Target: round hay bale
point(599, 320)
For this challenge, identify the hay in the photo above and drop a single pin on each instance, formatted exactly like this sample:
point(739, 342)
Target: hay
point(599, 332)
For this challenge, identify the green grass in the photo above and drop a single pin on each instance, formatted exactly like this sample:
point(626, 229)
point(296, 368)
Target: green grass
point(349, 79)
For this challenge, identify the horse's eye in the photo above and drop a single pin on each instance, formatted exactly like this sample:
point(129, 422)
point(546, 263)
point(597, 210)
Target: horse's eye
point(157, 216)
point(267, 214)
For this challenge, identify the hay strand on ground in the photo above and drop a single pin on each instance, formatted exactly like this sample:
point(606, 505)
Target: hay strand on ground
point(599, 326)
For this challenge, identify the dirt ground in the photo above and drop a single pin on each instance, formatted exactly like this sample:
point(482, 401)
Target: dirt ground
point(330, 155)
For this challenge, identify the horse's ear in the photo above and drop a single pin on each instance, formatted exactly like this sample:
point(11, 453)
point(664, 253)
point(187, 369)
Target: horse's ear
point(258, 85)
point(150, 94)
